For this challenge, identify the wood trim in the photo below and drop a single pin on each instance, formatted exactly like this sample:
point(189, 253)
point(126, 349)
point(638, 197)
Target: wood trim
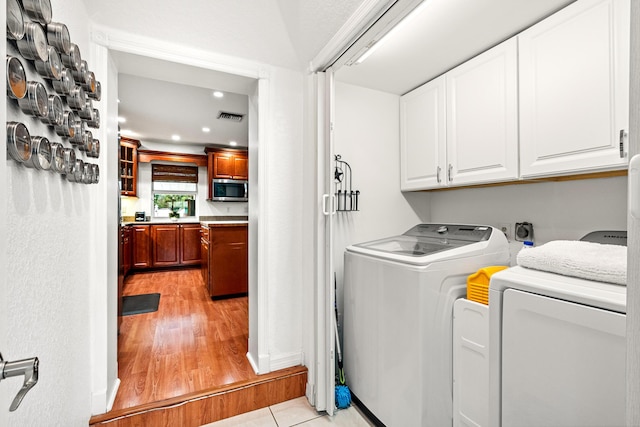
point(607, 174)
point(174, 173)
point(131, 141)
point(147, 156)
point(198, 408)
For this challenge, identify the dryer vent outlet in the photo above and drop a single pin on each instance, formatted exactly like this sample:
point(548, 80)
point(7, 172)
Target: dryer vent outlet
point(524, 231)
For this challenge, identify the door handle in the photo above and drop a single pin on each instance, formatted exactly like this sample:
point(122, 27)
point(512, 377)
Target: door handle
point(331, 209)
point(26, 367)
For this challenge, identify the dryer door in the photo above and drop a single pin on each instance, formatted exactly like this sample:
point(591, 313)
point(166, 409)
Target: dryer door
point(563, 364)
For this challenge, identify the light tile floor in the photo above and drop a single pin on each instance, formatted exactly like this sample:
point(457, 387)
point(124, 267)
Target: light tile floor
point(296, 412)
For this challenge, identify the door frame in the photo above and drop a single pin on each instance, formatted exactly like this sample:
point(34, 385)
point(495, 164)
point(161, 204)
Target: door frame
point(258, 354)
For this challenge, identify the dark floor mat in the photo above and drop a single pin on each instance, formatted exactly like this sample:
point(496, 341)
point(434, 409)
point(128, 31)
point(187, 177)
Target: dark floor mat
point(138, 304)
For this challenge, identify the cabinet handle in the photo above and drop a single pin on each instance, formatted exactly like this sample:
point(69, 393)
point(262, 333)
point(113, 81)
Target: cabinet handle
point(438, 175)
point(622, 135)
point(449, 175)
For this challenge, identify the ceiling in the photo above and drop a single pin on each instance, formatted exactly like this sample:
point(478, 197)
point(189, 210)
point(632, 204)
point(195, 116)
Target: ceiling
point(160, 99)
point(441, 35)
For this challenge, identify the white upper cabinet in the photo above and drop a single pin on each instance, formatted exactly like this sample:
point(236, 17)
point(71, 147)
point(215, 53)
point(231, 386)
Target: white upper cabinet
point(422, 137)
point(574, 90)
point(482, 117)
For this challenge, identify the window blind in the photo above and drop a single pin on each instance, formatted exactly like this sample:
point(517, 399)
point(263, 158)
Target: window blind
point(170, 173)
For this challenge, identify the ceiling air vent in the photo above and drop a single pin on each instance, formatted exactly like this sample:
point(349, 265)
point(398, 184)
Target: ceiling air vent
point(223, 115)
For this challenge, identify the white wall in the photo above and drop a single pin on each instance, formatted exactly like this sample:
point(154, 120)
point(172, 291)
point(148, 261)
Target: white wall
point(53, 240)
point(367, 137)
point(557, 210)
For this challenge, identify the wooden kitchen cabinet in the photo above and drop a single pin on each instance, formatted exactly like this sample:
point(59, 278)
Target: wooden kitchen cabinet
point(189, 244)
point(129, 166)
point(175, 244)
point(166, 245)
point(229, 259)
point(226, 164)
point(204, 255)
point(574, 90)
point(141, 246)
point(126, 249)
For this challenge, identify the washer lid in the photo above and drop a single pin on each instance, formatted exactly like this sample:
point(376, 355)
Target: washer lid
point(427, 239)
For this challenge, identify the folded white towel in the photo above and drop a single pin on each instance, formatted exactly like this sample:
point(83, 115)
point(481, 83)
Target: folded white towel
point(587, 260)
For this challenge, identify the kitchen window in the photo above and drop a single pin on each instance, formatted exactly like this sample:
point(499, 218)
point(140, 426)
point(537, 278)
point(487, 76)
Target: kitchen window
point(175, 189)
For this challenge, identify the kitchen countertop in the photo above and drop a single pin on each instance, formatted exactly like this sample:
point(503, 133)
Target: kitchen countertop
point(204, 220)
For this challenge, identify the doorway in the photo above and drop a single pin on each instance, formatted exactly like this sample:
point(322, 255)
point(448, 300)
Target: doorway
point(179, 70)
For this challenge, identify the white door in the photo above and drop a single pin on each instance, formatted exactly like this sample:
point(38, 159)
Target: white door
point(563, 364)
point(574, 90)
point(324, 292)
point(482, 117)
point(423, 137)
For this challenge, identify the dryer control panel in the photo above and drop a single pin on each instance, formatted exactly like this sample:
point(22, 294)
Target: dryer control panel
point(467, 233)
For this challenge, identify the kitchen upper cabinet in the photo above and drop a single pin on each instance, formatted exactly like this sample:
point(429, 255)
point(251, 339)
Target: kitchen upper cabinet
point(423, 137)
point(189, 244)
point(230, 166)
point(574, 90)
point(166, 245)
point(482, 117)
point(141, 246)
point(129, 166)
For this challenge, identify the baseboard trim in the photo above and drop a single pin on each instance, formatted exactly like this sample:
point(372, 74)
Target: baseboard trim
point(112, 396)
point(287, 361)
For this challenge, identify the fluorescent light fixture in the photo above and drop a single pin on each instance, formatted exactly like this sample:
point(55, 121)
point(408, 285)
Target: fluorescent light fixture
point(206, 130)
point(233, 143)
point(175, 137)
point(375, 44)
point(218, 94)
point(122, 120)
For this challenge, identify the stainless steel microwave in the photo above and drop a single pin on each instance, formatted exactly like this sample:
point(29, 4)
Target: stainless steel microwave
point(230, 190)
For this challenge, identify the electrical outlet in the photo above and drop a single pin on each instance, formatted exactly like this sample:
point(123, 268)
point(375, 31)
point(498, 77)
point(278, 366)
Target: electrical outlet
point(524, 231)
point(506, 229)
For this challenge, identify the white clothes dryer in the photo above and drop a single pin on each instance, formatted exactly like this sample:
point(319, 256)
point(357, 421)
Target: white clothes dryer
point(398, 301)
point(557, 350)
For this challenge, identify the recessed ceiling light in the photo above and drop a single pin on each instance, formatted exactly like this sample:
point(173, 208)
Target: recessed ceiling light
point(175, 137)
point(128, 132)
point(206, 129)
point(118, 101)
point(122, 120)
point(233, 143)
point(218, 94)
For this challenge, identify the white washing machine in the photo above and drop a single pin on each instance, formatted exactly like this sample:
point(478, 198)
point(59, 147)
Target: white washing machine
point(557, 350)
point(398, 300)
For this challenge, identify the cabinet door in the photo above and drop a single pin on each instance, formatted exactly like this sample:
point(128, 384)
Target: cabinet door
point(422, 137)
point(141, 251)
point(126, 253)
point(166, 245)
point(482, 117)
point(189, 244)
point(240, 167)
point(574, 89)
point(223, 166)
point(229, 260)
point(204, 262)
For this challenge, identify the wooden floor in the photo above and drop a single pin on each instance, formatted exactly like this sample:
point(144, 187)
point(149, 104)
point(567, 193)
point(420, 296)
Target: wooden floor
point(190, 344)
point(186, 364)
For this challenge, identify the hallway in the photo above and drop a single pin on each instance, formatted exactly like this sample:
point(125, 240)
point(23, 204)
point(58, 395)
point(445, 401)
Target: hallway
point(190, 344)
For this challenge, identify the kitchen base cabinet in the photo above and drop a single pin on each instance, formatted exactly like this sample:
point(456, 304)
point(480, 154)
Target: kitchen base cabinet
point(229, 257)
point(189, 244)
point(141, 246)
point(204, 255)
point(166, 245)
